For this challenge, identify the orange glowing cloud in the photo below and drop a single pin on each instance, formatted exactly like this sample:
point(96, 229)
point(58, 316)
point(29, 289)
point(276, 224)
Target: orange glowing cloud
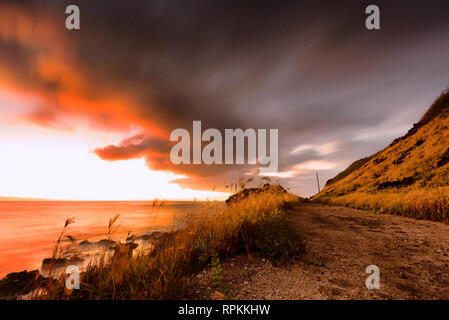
point(66, 93)
point(51, 71)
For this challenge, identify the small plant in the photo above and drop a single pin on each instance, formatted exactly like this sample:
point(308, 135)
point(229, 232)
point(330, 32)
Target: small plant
point(217, 275)
point(317, 263)
point(57, 248)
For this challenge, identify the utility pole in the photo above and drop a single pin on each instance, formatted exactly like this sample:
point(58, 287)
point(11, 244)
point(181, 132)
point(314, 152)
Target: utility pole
point(318, 182)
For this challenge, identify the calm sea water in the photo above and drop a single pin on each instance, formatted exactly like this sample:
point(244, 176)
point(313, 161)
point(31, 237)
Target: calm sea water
point(29, 229)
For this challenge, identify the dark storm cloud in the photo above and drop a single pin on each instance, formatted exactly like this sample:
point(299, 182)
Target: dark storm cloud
point(312, 70)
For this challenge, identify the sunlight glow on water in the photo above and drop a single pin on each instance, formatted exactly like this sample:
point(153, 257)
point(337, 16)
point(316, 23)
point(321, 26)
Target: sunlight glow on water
point(29, 229)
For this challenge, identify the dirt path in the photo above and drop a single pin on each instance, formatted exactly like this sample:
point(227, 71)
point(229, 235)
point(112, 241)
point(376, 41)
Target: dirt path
point(412, 255)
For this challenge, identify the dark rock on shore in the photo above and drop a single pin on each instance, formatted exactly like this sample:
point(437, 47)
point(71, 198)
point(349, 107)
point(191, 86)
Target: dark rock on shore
point(60, 262)
point(153, 236)
point(19, 283)
point(86, 244)
point(56, 262)
point(106, 242)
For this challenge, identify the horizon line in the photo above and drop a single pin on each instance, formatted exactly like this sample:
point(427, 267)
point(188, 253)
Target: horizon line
point(26, 199)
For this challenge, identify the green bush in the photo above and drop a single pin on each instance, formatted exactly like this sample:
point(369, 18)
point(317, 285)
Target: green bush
point(276, 239)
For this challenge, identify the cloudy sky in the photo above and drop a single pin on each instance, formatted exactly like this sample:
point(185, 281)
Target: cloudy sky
point(87, 114)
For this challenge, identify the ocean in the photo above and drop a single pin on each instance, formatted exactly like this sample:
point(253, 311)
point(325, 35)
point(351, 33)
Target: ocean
point(30, 229)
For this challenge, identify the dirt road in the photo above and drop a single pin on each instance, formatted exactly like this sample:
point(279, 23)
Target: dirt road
point(412, 255)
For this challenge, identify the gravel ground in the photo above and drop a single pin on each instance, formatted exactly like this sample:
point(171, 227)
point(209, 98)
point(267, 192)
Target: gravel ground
point(412, 256)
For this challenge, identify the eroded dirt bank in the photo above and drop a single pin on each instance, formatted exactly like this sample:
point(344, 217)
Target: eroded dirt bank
point(412, 255)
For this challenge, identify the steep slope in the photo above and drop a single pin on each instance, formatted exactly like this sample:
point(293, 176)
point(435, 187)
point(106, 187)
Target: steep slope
point(409, 177)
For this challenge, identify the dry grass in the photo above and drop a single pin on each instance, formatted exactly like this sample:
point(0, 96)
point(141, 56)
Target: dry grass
point(165, 272)
point(431, 204)
point(410, 177)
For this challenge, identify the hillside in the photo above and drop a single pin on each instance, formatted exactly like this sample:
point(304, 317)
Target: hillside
point(410, 177)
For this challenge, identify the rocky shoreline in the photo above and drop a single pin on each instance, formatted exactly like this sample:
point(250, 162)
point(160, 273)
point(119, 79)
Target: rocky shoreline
point(17, 284)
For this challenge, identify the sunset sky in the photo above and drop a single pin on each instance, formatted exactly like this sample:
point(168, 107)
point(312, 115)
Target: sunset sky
point(87, 114)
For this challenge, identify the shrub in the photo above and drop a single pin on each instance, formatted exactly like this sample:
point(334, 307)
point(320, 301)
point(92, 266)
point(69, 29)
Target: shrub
point(276, 239)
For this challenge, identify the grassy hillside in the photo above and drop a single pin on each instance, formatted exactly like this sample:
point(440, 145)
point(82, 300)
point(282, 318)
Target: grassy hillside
point(410, 177)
